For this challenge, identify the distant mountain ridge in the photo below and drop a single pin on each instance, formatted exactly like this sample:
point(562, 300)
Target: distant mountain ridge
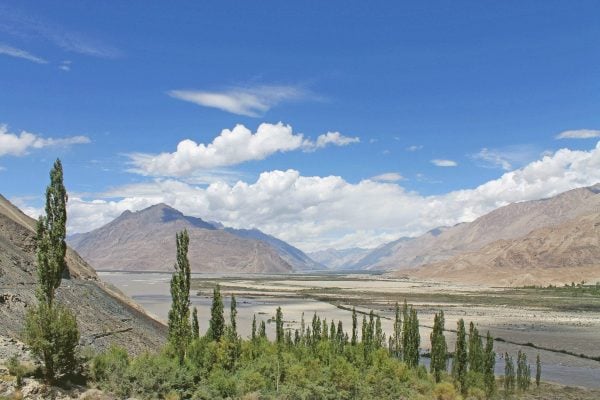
point(509, 222)
point(299, 260)
point(340, 259)
point(145, 240)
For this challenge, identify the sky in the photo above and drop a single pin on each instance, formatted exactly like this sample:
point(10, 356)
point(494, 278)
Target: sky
point(327, 124)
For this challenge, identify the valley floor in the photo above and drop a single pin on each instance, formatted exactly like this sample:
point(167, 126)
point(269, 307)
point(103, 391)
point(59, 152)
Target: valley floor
point(560, 325)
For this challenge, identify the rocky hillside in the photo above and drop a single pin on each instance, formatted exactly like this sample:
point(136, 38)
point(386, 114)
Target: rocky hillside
point(103, 313)
point(510, 222)
point(145, 241)
point(569, 252)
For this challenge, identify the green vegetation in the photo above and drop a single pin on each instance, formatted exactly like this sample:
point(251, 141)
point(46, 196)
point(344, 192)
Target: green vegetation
point(180, 328)
point(439, 348)
point(51, 329)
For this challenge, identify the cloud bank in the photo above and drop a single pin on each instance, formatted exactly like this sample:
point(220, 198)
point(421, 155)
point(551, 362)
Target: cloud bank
point(316, 212)
point(231, 147)
point(19, 145)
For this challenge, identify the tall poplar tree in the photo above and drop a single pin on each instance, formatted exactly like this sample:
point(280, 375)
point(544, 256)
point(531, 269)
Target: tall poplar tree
point(459, 363)
point(180, 329)
point(195, 324)
point(397, 337)
point(279, 326)
point(354, 339)
point(439, 348)
point(216, 325)
point(51, 329)
point(489, 365)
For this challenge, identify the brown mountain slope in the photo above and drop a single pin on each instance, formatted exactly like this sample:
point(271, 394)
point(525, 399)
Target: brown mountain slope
point(569, 252)
point(145, 241)
point(508, 222)
point(103, 313)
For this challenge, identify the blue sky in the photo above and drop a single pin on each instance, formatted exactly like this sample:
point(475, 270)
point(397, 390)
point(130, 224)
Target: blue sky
point(484, 88)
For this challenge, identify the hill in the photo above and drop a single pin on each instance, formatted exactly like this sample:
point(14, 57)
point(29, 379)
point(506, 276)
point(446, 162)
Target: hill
point(509, 222)
point(104, 315)
point(569, 252)
point(145, 241)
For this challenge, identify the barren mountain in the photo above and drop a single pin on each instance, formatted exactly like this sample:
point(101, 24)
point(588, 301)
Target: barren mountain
point(299, 260)
point(103, 313)
point(569, 252)
point(339, 258)
point(509, 222)
point(145, 241)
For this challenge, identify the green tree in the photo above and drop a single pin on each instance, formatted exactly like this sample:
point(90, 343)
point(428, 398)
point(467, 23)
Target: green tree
point(233, 316)
point(51, 234)
point(216, 325)
point(509, 375)
point(397, 338)
point(379, 335)
point(354, 328)
point(195, 324)
point(475, 350)
point(538, 371)
point(414, 340)
point(51, 329)
point(523, 371)
point(180, 330)
point(459, 363)
point(439, 348)
point(279, 326)
point(262, 330)
point(489, 365)
point(253, 328)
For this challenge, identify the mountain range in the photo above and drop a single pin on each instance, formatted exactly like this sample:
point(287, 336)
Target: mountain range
point(145, 241)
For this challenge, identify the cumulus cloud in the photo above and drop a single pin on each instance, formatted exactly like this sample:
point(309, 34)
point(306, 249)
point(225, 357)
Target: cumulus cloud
point(248, 101)
point(444, 163)
point(19, 145)
point(579, 134)
point(388, 177)
point(18, 53)
point(315, 212)
point(414, 148)
point(231, 147)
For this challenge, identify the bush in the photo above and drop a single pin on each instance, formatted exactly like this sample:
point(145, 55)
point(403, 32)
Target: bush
point(51, 332)
point(16, 369)
point(445, 391)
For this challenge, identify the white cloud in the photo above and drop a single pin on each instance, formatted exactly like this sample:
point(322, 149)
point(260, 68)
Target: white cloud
point(231, 147)
point(444, 163)
point(414, 148)
point(388, 177)
point(18, 53)
point(315, 212)
point(579, 134)
point(18, 145)
point(248, 101)
point(336, 139)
